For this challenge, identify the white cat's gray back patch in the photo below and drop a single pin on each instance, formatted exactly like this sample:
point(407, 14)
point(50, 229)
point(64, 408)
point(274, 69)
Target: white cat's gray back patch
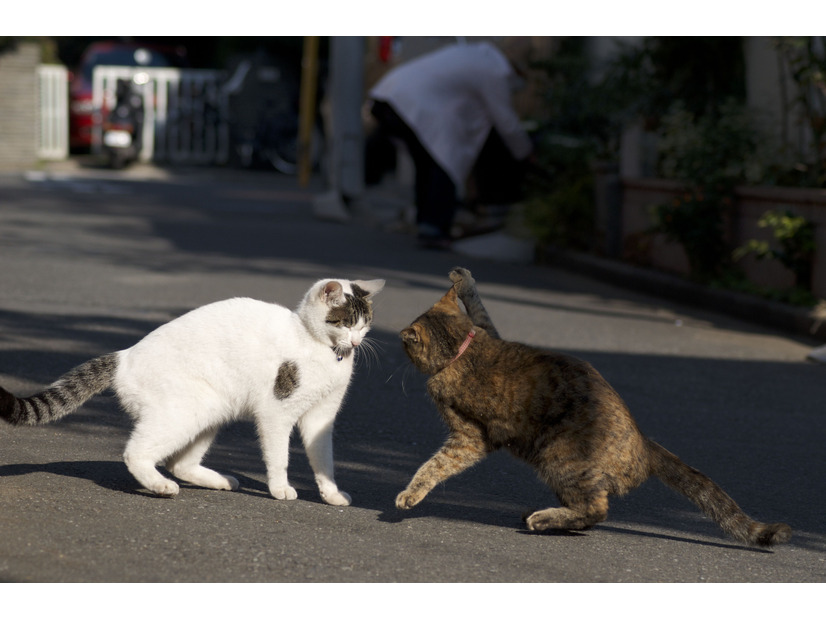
point(286, 381)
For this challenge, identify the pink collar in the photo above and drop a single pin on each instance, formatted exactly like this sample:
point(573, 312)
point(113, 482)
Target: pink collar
point(464, 346)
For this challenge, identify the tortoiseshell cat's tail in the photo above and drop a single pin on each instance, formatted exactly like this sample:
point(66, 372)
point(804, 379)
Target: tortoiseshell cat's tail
point(63, 396)
point(713, 501)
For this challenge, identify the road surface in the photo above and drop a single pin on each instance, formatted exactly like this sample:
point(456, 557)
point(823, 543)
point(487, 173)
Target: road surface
point(91, 261)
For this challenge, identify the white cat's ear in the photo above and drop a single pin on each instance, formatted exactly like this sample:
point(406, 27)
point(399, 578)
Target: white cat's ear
point(332, 293)
point(371, 287)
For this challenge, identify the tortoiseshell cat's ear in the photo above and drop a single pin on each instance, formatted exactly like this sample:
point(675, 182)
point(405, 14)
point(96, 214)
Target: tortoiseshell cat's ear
point(409, 334)
point(450, 301)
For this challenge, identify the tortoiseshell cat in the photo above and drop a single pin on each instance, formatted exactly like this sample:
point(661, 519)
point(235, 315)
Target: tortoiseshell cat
point(554, 411)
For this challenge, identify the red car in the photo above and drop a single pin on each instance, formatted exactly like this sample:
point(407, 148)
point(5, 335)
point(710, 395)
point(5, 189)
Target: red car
point(81, 112)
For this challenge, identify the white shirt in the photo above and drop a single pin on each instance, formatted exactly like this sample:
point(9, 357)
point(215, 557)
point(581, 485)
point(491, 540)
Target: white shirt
point(451, 98)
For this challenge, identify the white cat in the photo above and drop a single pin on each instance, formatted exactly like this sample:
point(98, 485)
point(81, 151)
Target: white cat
point(220, 362)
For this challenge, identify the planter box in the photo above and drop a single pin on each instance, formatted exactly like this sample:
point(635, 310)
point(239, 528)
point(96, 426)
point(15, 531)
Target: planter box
point(640, 246)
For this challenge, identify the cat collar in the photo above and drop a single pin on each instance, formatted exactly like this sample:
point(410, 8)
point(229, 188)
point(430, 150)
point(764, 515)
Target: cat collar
point(464, 346)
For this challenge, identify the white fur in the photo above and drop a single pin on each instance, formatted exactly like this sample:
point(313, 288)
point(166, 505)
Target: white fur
point(218, 363)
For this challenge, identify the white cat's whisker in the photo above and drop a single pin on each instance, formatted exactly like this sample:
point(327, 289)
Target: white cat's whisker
point(365, 351)
point(407, 366)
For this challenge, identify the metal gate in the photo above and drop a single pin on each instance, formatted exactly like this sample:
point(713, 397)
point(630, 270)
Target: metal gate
point(185, 112)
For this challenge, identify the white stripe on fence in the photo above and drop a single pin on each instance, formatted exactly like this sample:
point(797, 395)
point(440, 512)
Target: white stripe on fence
point(53, 134)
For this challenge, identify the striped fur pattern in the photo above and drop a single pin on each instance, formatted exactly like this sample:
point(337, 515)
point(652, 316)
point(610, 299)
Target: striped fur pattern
point(555, 412)
point(63, 396)
point(230, 359)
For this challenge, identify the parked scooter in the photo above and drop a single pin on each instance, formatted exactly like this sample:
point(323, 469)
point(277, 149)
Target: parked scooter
point(123, 127)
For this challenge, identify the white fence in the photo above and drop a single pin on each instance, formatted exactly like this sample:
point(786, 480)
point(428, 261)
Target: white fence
point(53, 134)
point(185, 112)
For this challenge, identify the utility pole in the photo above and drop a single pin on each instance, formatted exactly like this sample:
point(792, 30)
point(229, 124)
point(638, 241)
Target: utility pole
point(307, 106)
point(345, 142)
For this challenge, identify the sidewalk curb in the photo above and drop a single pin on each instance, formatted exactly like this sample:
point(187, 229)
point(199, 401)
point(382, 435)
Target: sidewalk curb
point(799, 321)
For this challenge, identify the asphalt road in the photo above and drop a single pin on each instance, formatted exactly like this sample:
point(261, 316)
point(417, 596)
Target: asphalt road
point(93, 261)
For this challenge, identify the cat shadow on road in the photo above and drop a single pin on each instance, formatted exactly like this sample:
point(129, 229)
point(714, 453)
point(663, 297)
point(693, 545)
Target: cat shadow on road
point(706, 543)
point(111, 475)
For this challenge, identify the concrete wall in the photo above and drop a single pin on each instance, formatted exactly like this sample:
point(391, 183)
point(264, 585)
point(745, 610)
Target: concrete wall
point(19, 109)
point(641, 246)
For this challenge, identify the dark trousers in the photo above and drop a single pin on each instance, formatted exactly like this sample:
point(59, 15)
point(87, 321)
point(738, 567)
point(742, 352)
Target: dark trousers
point(435, 192)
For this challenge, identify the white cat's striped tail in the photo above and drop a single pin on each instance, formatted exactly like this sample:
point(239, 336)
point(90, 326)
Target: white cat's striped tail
point(62, 397)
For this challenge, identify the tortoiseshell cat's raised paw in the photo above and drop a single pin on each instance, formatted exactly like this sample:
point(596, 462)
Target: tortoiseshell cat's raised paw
point(462, 279)
point(465, 287)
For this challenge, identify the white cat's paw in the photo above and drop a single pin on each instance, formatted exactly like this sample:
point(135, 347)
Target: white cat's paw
point(232, 483)
point(285, 492)
point(336, 498)
point(167, 488)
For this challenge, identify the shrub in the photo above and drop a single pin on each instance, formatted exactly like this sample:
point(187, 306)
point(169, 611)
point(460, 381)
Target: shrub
point(711, 154)
point(795, 238)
